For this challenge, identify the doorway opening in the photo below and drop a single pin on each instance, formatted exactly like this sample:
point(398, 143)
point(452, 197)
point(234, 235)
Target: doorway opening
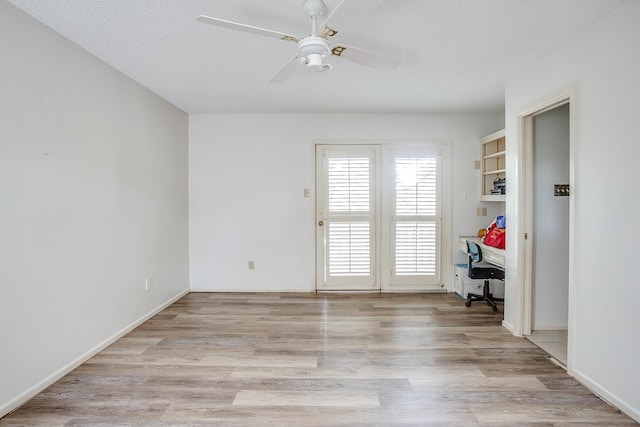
point(548, 249)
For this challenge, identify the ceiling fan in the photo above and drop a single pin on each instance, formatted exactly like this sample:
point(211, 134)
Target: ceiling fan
point(314, 48)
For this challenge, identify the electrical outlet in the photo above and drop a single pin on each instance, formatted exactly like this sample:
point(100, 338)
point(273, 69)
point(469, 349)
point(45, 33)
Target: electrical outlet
point(251, 265)
point(478, 211)
point(147, 284)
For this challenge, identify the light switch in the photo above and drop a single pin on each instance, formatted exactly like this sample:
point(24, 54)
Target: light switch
point(561, 190)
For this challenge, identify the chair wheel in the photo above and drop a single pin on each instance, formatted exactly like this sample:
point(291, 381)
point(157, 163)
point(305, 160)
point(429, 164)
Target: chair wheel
point(495, 308)
point(468, 303)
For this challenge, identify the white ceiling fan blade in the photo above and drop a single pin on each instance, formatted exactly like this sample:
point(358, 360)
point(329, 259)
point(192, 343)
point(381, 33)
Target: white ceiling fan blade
point(246, 28)
point(286, 71)
point(345, 13)
point(366, 57)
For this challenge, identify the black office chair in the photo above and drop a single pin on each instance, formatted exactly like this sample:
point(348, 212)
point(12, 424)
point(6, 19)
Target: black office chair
point(485, 272)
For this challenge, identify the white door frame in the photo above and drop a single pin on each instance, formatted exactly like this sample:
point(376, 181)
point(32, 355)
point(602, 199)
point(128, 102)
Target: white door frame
point(525, 219)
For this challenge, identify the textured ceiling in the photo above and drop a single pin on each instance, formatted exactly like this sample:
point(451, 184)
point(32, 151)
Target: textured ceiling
point(456, 54)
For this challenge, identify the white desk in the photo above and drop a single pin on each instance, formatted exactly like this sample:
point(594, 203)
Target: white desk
point(489, 254)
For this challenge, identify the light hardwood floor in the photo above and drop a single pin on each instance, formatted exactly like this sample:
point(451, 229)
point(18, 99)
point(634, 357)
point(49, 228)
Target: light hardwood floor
point(319, 360)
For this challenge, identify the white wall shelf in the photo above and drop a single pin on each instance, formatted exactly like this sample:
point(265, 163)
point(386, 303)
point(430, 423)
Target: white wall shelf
point(493, 148)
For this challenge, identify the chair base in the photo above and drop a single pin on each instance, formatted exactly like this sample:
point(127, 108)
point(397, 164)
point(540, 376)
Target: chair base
point(486, 296)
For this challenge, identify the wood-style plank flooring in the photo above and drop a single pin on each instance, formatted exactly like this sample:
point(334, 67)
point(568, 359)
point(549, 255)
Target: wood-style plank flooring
point(319, 360)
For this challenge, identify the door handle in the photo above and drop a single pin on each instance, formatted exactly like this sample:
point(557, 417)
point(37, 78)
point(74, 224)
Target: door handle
point(321, 223)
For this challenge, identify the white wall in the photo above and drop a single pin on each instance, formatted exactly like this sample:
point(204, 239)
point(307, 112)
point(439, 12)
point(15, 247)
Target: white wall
point(603, 64)
point(247, 176)
point(93, 199)
point(550, 237)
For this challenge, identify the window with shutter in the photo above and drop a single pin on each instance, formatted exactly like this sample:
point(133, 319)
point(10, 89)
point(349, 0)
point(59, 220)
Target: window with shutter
point(415, 218)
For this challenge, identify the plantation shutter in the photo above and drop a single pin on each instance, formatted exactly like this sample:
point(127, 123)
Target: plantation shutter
point(415, 219)
point(349, 230)
point(378, 216)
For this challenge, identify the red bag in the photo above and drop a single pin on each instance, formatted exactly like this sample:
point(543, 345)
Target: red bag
point(495, 237)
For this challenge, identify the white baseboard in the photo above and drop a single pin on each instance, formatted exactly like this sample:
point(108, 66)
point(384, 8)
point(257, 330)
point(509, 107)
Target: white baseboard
point(438, 290)
point(29, 394)
point(606, 395)
point(257, 291)
point(509, 327)
point(550, 328)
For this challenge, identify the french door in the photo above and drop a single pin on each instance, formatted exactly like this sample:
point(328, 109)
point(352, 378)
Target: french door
point(347, 217)
point(378, 218)
point(414, 219)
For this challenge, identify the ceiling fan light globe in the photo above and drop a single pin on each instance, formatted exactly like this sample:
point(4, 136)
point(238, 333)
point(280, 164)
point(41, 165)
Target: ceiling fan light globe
point(314, 62)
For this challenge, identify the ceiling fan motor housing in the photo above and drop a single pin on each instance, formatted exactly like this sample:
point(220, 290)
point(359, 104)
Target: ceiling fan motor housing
point(313, 49)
